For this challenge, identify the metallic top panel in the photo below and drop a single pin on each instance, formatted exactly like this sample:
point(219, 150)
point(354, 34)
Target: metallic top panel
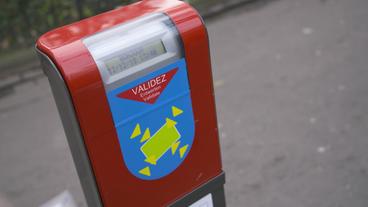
point(136, 47)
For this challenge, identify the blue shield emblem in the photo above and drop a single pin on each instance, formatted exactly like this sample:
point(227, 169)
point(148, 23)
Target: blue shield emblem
point(154, 121)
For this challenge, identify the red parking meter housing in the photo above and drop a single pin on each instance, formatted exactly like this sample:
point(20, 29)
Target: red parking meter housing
point(134, 90)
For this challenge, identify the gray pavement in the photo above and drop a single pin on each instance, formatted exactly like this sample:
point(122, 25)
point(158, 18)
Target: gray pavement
point(292, 96)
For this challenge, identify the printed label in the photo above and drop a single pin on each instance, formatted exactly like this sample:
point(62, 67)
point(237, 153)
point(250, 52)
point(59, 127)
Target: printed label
point(204, 202)
point(154, 121)
point(150, 90)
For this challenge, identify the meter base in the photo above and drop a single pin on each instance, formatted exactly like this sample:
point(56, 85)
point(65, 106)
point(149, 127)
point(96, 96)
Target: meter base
point(215, 187)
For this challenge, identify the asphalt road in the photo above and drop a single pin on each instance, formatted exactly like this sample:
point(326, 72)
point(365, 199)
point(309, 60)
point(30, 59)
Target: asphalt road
point(291, 82)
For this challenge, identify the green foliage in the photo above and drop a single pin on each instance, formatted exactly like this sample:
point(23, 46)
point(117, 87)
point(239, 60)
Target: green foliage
point(22, 21)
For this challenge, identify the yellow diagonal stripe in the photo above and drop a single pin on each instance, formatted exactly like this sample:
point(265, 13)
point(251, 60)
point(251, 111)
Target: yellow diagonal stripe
point(182, 150)
point(136, 132)
point(176, 111)
point(170, 123)
point(145, 171)
point(146, 135)
point(161, 141)
point(151, 160)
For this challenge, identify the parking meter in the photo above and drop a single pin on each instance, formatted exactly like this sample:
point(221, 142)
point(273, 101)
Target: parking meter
point(133, 87)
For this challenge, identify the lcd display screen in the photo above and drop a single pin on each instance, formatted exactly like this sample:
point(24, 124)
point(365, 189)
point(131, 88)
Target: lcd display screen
point(135, 56)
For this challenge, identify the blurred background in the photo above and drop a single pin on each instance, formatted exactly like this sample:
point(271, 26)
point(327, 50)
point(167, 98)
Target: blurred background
point(291, 82)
